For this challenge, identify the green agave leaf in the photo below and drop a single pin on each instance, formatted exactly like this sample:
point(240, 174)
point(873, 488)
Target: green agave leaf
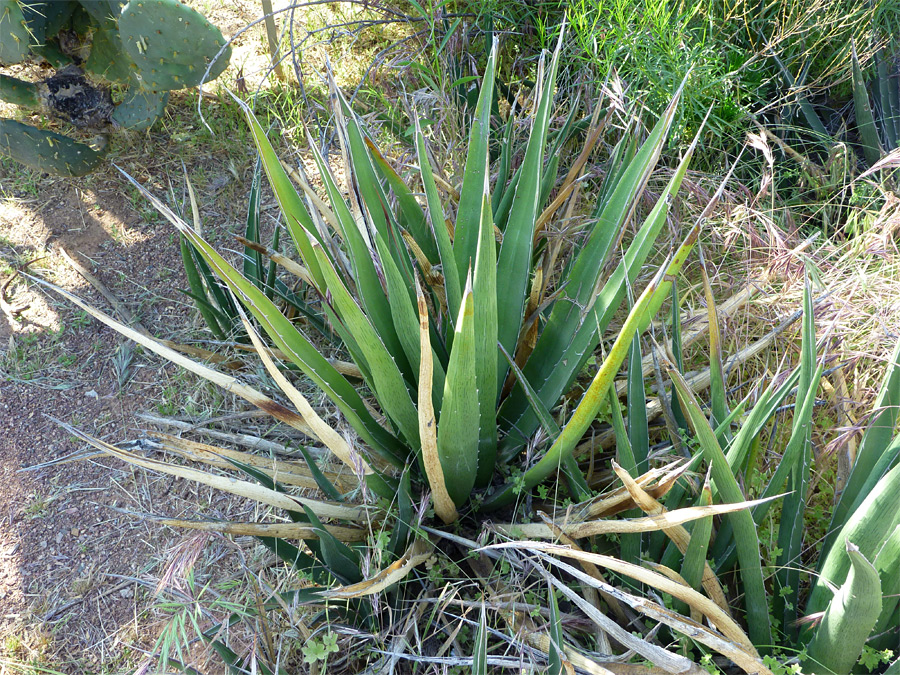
point(588, 407)
point(341, 560)
point(388, 384)
point(638, 440)
point(696, 554)
point(198, 291)
point(887, 563)
point(874, 445)
point(849, 618)
point(452, 282)
point(291, 341)
point(486, 367)
point(571, 334)
point(790, 531)
point(479, 652)
point(405, 318)
point(865, 120)
point(556, 655)
point(253, 260)
point(368, 283)
point(468, 215)
point(299, 222)
point(745, 529)
point(413, 217)
point(514, 261)
point(458, 428)
point(868, 528)
point(503, 166)
point(717, 389)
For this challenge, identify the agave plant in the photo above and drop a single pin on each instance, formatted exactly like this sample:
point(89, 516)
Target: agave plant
point(467, 324)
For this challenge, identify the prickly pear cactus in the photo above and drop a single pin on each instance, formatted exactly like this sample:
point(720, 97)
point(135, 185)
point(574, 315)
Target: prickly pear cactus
point(15, 39)
point(171, 44)
point(47, 150)
point(149, 47)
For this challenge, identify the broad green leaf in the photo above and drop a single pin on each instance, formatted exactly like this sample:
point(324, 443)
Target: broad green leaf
point(572, 333)
point(458, 427)
point(468, 216)
point(388, 384)
point(516, 249)
point(742, 521)
point(291, 341)
point(452, 283)
point(875, 442)
point(486, 352)
point(868, 528)
point(849, 618)
point(299, 223)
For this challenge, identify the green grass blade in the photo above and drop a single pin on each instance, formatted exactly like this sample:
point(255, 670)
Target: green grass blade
point(514, 260)
point(452, 282)
point(865, 120)
point(556, 654)
point(849, 619)
point(387, 383)
point(458, 428)
point(479, 652)
point(874, 444)
point(468, 218)
point(744, 527)
point(486, 352)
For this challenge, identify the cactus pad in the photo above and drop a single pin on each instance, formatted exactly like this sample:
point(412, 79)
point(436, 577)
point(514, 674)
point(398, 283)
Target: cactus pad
point(171, 44)
point(45, 19)
point(47, 150)
point(19, 92)
point(103, 11)
point(140, 109)
point(14, 36)
point(108, 60)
